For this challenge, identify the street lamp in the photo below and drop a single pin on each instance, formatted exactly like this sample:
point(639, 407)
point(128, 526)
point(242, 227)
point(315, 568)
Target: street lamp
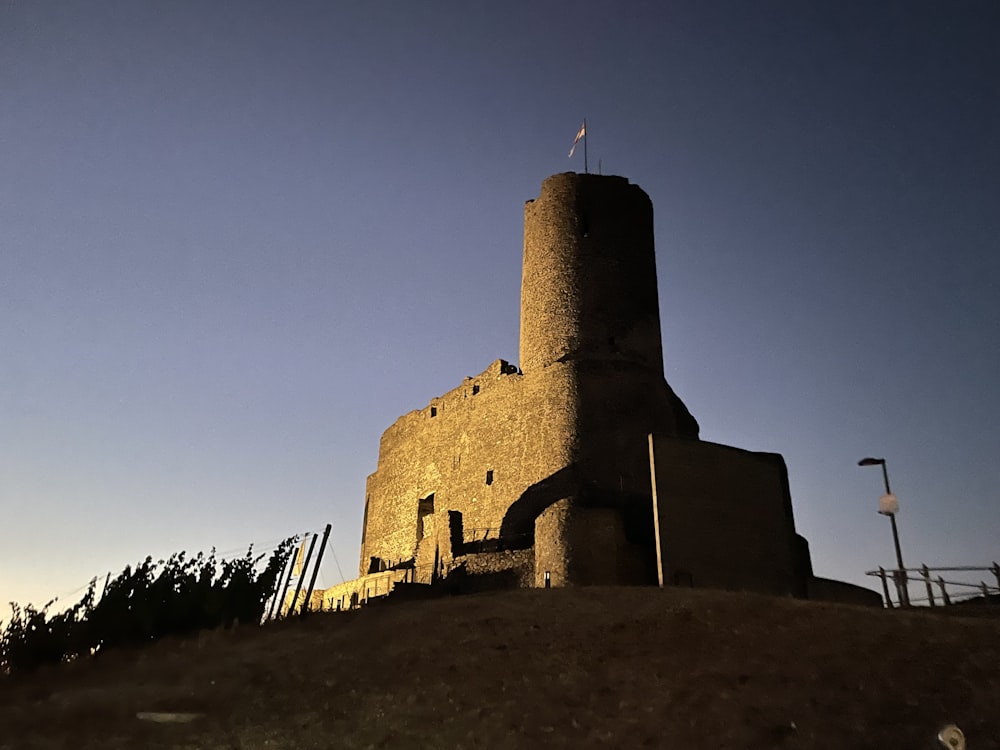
point(888, 505)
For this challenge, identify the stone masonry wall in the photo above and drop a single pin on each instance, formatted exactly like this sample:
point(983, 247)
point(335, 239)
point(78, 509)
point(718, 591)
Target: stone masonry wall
point(477, 449)
point(589, 298)
point(556, 454)
point(725, 518)
point(576, 544)
point(588, 284)
point(497, 450)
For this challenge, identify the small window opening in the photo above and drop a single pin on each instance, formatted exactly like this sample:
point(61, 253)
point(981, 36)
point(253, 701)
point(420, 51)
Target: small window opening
point(434, 411)
point(489, 476)
point(475, 390)
point(425, 507)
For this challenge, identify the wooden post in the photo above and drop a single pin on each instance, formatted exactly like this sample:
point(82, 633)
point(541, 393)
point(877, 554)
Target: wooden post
point(279, 590)
point(927, 582)
point(885, 587)
point(312, 581)
point(944, 592)
point(298, 585)
point(288, 580)
point(995, 570)
point(656, 517)
point(986, 592)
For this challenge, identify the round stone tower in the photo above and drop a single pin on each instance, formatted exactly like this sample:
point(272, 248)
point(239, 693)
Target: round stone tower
point(590, 312)
point(589, 301)
point(588, 288)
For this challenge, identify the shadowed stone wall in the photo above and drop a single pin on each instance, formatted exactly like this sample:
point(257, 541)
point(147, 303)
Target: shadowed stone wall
point(579, 544)
point(725, 518)
point(589, 298)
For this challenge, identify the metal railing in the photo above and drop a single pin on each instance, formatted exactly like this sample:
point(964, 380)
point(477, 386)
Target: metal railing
point(931, 578)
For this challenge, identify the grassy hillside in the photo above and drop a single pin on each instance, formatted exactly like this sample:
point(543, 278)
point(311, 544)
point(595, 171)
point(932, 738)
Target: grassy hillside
point(622, 668)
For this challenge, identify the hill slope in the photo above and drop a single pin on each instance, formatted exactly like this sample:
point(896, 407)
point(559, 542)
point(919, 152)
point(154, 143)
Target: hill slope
point(567, 668)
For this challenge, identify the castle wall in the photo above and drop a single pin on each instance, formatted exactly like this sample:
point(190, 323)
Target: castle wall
point(619, 405)
point(556, 455)
point(492, 570)
point(725, 518)
point(589, 299)
point(572, 426)
point(477, 449)
point(576, 544)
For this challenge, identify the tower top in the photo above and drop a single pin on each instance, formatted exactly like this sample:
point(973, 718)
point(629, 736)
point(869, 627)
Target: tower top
point(588, 285)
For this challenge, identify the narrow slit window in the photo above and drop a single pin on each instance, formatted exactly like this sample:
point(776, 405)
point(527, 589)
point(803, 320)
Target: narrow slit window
point(489, 476)
point(434, 411)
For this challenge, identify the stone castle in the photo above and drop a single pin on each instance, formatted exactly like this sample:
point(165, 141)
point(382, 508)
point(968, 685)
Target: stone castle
point(580, 466)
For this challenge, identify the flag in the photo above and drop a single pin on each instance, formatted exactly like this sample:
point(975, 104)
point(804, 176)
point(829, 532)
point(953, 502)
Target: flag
point(581, 134)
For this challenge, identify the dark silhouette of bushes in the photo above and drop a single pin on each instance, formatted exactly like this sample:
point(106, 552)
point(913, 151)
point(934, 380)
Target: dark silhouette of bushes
point(176, 596)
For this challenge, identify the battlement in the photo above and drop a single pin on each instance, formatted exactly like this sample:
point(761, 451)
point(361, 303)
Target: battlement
point(459, 400)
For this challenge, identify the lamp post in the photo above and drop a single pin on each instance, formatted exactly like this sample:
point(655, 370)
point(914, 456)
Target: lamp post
point(889, 506)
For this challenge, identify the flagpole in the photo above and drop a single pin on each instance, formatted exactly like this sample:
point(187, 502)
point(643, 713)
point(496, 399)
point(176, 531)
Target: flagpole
point(585, 134)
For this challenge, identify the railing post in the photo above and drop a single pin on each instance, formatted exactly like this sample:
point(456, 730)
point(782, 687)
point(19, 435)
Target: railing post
point(944, 592)
point(927, 582)
point(901, 578)
point(986, 592)
point(885, 587)
point(996, 572)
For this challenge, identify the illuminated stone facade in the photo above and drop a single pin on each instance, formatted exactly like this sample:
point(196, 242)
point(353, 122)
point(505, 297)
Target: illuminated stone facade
point(520, 475)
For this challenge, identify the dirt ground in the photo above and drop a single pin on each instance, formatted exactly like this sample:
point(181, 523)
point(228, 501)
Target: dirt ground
point(561, 668)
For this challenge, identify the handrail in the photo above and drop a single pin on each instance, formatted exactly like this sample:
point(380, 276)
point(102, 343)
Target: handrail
point(901, 578)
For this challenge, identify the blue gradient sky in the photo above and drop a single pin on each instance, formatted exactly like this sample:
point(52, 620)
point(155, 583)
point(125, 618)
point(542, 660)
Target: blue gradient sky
point(238, 239)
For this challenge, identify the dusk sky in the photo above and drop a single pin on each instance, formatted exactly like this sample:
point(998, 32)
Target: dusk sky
point(239, 239)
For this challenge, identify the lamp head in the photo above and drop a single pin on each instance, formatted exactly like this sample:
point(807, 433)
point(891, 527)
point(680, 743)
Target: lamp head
point(871, 462)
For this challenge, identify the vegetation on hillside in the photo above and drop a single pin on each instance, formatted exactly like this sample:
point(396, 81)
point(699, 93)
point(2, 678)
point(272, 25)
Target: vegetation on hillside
point(141, 604)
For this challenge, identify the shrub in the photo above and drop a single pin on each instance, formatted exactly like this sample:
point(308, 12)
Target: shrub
point(176, 596)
